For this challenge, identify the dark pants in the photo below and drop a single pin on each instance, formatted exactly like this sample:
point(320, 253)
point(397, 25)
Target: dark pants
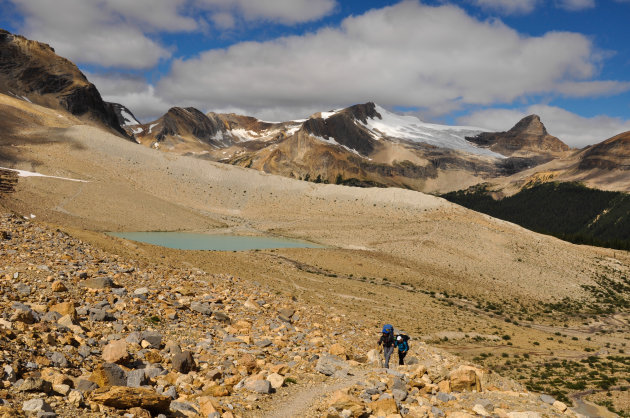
point(387, 352)
point(401, 357)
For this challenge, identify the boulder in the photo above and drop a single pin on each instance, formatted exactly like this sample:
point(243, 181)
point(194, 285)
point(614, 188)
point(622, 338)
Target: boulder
point(116, 352)
point(332, 365)
point(338, 350)
point(383, 407)
point(342, 401)
point(59, 286)
point(465, 378)
point(259, 386)
point(35, 384)
point(276, 380)
point(183, 362)
point(108, 374)
point(208, 405)
point(99, 283)
point(121, 397)
point(375, 358)
point(36, 405)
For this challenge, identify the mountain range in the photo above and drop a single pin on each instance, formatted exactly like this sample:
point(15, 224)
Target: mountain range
point(361, 145)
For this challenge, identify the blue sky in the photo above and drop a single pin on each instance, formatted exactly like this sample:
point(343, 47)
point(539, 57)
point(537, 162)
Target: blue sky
point(477, 62)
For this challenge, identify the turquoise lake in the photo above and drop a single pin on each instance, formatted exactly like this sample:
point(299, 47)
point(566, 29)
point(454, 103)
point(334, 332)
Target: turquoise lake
point(196, 241)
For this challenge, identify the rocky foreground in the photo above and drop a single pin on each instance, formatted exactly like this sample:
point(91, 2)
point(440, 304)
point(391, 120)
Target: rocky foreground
point(86, 333)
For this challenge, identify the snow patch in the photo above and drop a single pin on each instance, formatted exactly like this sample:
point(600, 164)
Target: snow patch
point(26, 98)
point(136, 131)
point(24, 173)
point(153, 125)
point(332, 141)
point(128, 118)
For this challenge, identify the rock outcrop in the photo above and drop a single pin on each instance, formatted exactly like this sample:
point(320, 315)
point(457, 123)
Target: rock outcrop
point(529, 136)
point(31, 70)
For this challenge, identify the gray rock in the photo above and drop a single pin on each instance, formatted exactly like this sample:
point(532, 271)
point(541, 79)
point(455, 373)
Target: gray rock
point(59, 360)
point(136, 378)
point(201, 307)
point(183, 409)
point(134, 338)
point(183, 362)
point(444, 397)
point(437, 412)
point(9, 373)
point(487, 404)
point(84, 385)
point(99, 283)
point(100, 315)
point(27, 316)
point(51, 316)
point(84, 351)
point(331, 365)
point(263, 343)
point(119, 291)
point(220, 316)
point(172, 348)
point(22, 289)
point(547, 399)
point(154, 371)
point(35, 384)
point(171, 392)
point(44, 414)
point(399, 384)
point(153, 337)
point(259, 386)
point(141, 291)
point(395, 373)
point(115, 374)
point(399, 395)
point(36, 405)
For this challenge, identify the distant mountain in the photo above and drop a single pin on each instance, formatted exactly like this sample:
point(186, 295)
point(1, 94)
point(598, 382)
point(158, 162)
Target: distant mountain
point(363, 144)
point(31, 71)
point(528, 137)
point(612, 154)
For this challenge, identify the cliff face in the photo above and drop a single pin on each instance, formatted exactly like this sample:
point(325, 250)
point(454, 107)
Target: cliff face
point(528, 136)
point(32, 71)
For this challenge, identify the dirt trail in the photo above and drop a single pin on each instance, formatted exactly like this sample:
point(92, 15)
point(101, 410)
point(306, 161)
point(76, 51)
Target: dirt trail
point(301, 403)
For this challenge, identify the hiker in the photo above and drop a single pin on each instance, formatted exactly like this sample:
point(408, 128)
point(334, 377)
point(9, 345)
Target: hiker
point(403, 348)
point(388, 342)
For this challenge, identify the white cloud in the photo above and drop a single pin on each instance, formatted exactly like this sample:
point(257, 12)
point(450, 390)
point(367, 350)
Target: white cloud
point(131, 91)
point(508, 7)
point(409, 54)
point(576, 131)
point(110, 33)
point(575, 5)
point(281, 11)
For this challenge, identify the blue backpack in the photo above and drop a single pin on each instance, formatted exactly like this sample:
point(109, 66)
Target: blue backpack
point(387, 328)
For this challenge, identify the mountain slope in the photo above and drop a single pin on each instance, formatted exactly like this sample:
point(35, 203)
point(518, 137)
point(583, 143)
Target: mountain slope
point(612, 154)
point(31, 71)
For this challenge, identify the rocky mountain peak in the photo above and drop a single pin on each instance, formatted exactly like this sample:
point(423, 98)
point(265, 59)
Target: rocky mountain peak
point(528, 137)
point(530, 125)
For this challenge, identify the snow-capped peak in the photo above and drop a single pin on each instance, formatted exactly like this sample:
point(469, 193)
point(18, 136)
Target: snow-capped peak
point(411, 128)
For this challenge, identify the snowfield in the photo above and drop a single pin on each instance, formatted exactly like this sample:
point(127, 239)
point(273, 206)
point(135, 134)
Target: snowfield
point(410, 128)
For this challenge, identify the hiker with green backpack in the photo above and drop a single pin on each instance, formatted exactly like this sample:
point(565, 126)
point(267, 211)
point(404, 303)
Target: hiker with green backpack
point(388, 342)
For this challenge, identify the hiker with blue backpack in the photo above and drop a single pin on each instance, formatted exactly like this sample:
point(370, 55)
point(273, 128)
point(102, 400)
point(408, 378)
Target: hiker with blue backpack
point(388, 341)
